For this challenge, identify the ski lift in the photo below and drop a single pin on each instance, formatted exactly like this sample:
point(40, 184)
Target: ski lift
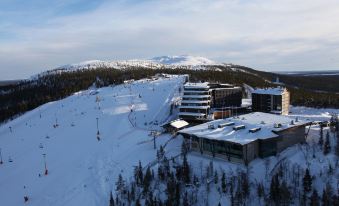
point(41, 146)
point(10, 159)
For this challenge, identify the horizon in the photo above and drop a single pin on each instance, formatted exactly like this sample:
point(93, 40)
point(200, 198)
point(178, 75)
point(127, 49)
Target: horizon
point(36, 36)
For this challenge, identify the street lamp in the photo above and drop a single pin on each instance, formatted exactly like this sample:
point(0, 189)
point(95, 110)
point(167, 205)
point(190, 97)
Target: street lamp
point(1, 162)
point(155, 134)
point(46, 170)
point(98, 133)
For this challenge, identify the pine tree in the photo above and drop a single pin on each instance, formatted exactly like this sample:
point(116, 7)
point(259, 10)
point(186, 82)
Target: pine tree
point(147, 180)
point(260, 190)
point(139, 174)
point(307, 181)
point(335, 200)
point(185, 200)
point(186, 170)
point(160, 153)
point(245, 185)
point(120, 184)
point(327, 145)
point(285, 194)
point(321, 137)
point(327, 195)
point(137, 202)
point(111, 200)
point(325, 200)
point(117, 200)
point(183, 148)
point(132, 192)
point(231, 192)
point(216, 178)
point(223, 182)
point(177, 193)
point(337, 145)
point(275, 189)
point(314, 200)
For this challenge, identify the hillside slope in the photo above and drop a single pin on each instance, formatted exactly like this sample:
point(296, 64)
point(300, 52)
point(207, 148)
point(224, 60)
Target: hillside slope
point(82, 170)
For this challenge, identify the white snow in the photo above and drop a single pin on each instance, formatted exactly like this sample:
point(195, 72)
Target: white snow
point(192, 85)
point(169, 62)
point(265, 121)
point(179, 124)
point(184, 60)
point(195, 101)
point(83, 170)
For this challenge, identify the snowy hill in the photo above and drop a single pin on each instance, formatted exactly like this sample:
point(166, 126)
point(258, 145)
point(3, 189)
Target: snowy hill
point(183, 60)
point(168, 62)
point(82, 170)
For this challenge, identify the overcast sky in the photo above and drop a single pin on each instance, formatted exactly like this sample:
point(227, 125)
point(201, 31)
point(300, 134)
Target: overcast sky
point(272, 35)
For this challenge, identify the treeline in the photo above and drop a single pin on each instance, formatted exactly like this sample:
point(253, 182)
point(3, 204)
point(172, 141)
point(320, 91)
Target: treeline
point(320, 83)
point(27, 95)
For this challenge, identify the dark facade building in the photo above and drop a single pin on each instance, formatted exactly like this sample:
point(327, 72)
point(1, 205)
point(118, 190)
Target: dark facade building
point(246, 137)
point(225, 95)
point(271, 100)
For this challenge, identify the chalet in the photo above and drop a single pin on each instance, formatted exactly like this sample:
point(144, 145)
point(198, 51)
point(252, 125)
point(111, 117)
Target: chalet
point(242, 139)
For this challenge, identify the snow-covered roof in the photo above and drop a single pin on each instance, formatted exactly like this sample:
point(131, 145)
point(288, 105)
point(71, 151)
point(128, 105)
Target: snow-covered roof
point(225, 88)
point(192, 114)
point(195, 101)
point(196, 91)
point(194, 107)
point(272, 91)
point(179, 123)
point(196, 85)
point(197, 96)
point(265, 121)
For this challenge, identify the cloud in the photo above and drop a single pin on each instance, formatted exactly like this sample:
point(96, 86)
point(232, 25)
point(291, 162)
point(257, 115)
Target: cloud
point(271, 35)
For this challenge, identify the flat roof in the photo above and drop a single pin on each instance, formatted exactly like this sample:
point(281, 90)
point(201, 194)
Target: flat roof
point(227, 88)
point(191, 114)
point(179, 123)
point(196, 85)
point(265, 121)
point(270, 90)
point(195, 101)
point(198, 96)
point(194, 107)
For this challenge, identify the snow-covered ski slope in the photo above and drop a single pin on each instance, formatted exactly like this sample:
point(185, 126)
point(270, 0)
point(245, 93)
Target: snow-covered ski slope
point(83, 170)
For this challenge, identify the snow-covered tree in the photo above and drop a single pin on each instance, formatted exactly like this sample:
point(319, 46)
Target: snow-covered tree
point(307, 181)
point(327, 145)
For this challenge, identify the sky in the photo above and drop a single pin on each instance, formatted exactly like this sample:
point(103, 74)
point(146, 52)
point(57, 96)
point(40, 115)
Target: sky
point(275, 35)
